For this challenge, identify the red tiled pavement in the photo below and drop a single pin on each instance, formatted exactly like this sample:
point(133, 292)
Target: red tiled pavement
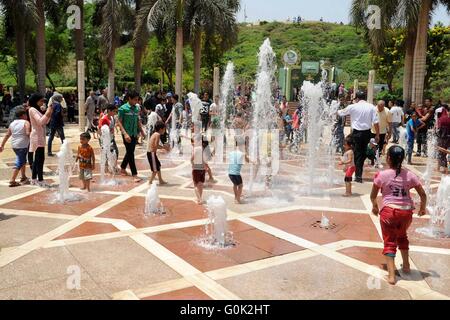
point(251, 245)
point(191, 293)
point(132, 210)
point(88, 229)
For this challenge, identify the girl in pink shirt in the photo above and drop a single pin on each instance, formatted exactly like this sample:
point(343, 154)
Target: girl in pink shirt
point(397, 208)
point(37, 138)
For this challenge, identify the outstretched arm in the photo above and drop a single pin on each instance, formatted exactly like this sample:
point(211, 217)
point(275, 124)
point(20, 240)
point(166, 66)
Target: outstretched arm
point(423, 200)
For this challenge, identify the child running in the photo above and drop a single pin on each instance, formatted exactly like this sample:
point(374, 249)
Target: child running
point(348, 161)
point(397, 207)
point(236, 158)
point(19, 130)
point(86, 157)
point(198, 166)
point(153, 146)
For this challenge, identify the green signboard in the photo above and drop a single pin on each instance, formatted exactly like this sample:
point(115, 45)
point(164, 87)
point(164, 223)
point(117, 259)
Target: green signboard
point(310, 67)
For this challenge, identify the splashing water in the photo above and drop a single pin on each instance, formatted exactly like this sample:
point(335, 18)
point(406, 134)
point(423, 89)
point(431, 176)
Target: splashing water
point(153, 203)
point(324, 222)
point(196, 105)
point(217, 234)
point(226, 108)
point(107, 157)
point(264, 113)
point(65, 165)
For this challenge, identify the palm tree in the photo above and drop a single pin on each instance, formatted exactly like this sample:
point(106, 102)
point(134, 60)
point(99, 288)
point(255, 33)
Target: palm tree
point(214, 18)
point(110, 16)
point(19, 16)
point(394, 14)
point(141, 37)
point(166, 17)
point(40, 47)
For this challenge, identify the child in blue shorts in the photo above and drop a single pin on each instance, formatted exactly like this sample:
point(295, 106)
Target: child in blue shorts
point(236, 160)
point(19, 130)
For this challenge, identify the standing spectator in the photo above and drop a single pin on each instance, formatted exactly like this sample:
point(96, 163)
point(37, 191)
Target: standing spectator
point(56, 122)
point(130, 126)
point(102, 101)
point(90, 110)
point(37, 136)
point(363, 115)
point(443, 136)
point(19, 130)
point(398, 118)
point(412, 127)
point(383, 117)
point(204, 111)
point(71, 109)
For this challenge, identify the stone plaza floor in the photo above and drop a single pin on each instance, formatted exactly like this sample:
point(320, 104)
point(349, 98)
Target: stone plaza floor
point(280, 251)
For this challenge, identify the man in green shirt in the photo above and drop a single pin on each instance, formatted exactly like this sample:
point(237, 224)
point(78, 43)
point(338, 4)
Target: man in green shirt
point(130, 125)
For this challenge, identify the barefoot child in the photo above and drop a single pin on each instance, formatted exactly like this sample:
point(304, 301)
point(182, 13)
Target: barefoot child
point(349, 165)
point(198, 167)
point(153, 146)
point(236, 158)
point(86, 157)
point(397, 208)
point(19, 130)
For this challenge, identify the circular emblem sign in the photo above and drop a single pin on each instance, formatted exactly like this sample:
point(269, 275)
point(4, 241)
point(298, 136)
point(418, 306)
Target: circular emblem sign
point(290, 57)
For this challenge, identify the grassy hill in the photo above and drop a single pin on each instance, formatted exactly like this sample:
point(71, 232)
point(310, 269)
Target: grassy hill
point(313, 40)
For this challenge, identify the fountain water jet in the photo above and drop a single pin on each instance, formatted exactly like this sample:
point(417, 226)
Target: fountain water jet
point(65, 165)
point(153, 203)
point(217, 234)
point(107, 157)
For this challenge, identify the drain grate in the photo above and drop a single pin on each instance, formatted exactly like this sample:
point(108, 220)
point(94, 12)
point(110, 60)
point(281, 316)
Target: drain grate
point(330, 226)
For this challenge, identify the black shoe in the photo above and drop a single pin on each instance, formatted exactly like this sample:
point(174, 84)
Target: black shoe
point(358, 180)
point(50, 155)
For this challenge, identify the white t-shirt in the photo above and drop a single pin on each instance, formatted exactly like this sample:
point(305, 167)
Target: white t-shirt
point(363, 115)
point(396, 114)
point(19, 138)
point(214, 108)
point(152, 118)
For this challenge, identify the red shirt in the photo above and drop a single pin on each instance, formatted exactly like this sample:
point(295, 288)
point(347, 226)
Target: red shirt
point(105, 120)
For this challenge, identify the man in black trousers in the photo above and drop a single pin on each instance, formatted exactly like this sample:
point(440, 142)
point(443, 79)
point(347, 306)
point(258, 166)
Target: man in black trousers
point(363, 115)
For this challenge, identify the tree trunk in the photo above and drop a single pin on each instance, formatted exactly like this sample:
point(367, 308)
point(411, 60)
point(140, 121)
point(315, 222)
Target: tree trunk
point(52, 84)
point(420, 51)
point(79, 34)
point(21, 70)
point(138, 54)
point(409, 65)
point(111, 75)
point(179, 62)
point(197, 49)
point(40, 48)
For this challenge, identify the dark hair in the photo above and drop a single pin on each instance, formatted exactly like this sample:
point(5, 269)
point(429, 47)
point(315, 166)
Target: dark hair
point(361, 95)
point(111, 107)
point(159, 125)
point(85, 135)
point(349, 140)
point(396, 156)
point(132, 95)
point(176, 97)
point(399, 103)
point(34, 99)
point(20, 112)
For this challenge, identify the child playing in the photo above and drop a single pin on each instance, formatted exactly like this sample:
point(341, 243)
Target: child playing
point(412, 126)
point(19, 130)
point(397, 208)
point(153, 146)
point(348, 161)
point(86, 157)
point(236, 158)
point(109, 120)
point(371, 152)
point(207, 154)
point(198, 167)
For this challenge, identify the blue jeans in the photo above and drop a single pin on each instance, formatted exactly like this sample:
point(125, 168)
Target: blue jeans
point(53, 131)
point(395, 131)
point(21, 157)
point(410, 148)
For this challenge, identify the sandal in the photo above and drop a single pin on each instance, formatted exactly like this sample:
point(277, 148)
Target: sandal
point(13, 184)
point(25, 180)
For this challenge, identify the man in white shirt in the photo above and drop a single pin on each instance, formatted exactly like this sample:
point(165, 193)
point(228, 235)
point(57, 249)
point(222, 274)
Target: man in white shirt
point(397, 118)
point(363, 116)
point(384, 119)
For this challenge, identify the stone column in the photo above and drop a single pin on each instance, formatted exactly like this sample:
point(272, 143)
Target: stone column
point(370, 86)
point(216, 85)
point(81, 97)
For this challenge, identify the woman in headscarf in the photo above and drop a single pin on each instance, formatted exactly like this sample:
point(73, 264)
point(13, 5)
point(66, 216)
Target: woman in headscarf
point(38, 122)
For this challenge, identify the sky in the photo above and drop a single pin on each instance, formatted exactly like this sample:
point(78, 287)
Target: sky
point(330, 10)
